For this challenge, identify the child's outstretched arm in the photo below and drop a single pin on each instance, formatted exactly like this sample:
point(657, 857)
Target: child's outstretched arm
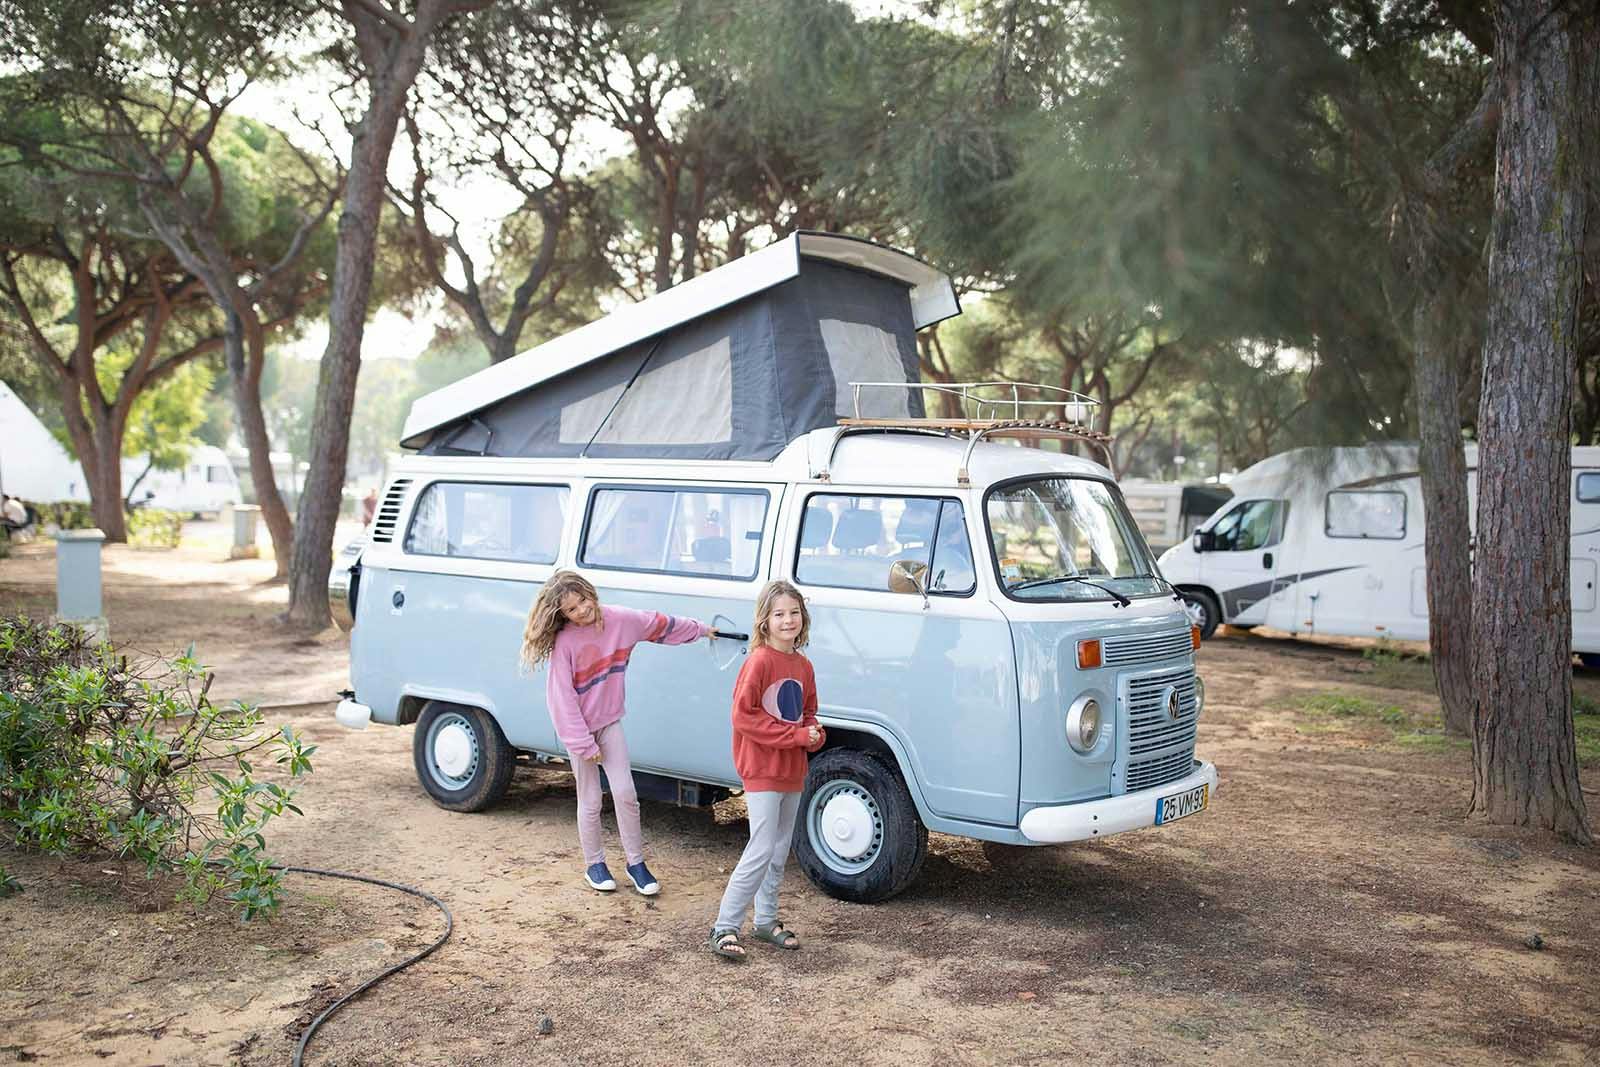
point(663, 629)
point(562, 697)
point(753, 721)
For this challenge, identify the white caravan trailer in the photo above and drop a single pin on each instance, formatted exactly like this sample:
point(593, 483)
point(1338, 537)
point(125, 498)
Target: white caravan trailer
point(1330, 541)
point(1168, 512)
point(204, 485)
point(33, 465)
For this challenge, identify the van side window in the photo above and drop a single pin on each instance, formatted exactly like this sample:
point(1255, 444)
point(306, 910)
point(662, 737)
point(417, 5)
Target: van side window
point(676, 531)
point(483, 520)
point(1253, 524)
point(852, 542)
point(1589, 487)
point(1378, 514)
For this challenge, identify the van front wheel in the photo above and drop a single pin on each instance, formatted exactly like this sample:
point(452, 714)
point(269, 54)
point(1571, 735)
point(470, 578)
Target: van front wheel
point(858, 838)
point(1203, 611)
point(462, 758)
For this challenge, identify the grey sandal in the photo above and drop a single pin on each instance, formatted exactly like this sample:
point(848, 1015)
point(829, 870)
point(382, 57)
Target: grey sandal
point(725, 943)
point(774, 933)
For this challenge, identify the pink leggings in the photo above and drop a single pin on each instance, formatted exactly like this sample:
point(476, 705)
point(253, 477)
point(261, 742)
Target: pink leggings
point(619, 775)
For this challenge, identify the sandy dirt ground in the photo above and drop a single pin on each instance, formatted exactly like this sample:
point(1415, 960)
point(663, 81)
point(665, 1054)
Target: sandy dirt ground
point(1332, 906)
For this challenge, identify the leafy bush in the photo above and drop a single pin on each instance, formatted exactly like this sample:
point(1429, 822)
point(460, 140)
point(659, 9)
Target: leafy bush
point(65, 515)
point(155, 528)
point(103, 755)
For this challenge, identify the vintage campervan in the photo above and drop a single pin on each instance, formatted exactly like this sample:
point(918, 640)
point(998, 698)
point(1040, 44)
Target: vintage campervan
point(996, 653)
point(1330, 541)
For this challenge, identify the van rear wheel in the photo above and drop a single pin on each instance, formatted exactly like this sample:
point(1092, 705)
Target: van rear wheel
point(462, 759)
point(858, 838)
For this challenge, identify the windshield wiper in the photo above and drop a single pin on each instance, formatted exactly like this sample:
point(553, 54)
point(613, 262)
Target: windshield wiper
point(1062, 579)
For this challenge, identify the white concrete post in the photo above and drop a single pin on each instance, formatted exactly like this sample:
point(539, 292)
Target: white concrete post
point(244, 531)
point(78, 581)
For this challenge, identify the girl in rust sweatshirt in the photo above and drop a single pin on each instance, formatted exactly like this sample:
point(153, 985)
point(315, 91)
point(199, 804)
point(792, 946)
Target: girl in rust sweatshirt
point(774, 726)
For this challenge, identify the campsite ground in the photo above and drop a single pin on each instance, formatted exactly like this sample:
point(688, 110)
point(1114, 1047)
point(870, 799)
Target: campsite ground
point(1333, 905)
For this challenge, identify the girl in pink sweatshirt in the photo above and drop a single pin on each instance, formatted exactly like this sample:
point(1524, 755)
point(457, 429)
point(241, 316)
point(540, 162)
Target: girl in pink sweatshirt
point(587, 646)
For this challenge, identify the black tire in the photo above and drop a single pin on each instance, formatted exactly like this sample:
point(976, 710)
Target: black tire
point(478, 761)
point(1590, 660)
point(898, 841)
point(1209, 611)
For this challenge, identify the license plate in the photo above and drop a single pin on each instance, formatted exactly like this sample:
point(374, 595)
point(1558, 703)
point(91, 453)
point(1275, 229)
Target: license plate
point(1181, 805)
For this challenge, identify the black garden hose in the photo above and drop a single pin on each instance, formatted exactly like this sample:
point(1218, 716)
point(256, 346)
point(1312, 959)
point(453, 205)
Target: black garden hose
point(449, 925)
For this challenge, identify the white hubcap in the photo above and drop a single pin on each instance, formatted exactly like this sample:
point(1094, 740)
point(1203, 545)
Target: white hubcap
point(452, 750)
point(847, 825)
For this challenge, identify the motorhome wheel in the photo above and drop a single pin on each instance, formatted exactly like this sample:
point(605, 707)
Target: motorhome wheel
point(462, 758)
point(1590, 660)
point(858, 837)
point(1203, 611)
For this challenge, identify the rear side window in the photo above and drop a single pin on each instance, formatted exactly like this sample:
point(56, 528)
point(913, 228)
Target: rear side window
point(853, 542)
point(1589, 487)
point(1376, 514)
point(481, 520)
point(669, 530)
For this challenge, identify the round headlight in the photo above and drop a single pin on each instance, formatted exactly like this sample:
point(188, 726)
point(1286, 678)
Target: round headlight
point(1083, 723)
point(1199, 694)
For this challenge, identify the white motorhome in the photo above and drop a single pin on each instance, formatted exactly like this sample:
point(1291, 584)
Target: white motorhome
point(1330, 541)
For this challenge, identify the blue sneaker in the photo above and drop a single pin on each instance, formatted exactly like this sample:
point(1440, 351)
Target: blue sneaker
point(598, 877)
point(643, 880)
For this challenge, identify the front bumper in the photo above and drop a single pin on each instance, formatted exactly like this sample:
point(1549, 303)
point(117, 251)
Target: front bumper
point(1113, 815)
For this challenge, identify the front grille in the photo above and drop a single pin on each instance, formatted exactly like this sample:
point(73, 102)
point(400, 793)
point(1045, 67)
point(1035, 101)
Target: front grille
point(388, 513)
point(1159, 771)
point(1159, 746)
point(1130, 651)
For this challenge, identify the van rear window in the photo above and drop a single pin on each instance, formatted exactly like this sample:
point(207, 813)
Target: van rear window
point(714, 533)
point(487, 520)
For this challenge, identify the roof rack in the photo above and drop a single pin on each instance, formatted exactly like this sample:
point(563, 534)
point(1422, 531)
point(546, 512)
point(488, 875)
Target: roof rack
point(987, 409)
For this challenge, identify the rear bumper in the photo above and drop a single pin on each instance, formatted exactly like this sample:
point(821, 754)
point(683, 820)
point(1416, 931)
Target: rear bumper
point(1113, 815)
point(352, 715)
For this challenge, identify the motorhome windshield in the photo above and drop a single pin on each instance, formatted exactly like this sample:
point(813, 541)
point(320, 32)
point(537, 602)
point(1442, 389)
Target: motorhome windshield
point(1067, 539)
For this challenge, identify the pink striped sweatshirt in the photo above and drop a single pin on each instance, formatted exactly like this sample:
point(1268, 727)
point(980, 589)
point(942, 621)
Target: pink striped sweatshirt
point(587, 667)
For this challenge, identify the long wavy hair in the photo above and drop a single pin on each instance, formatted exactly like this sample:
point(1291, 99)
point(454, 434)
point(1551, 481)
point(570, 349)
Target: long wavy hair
point(545, 620)
point(761, 630)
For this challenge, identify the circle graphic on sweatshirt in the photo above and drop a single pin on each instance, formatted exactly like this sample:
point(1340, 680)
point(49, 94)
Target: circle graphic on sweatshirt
point(784, 700)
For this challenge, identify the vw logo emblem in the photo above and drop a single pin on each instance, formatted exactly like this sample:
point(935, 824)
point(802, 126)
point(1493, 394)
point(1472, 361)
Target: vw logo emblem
point(1174, 708)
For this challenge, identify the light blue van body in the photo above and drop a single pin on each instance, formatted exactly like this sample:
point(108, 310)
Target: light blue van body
point(965, 694)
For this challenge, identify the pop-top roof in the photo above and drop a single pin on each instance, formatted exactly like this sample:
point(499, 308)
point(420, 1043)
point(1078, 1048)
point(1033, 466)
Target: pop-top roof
point(932, 299)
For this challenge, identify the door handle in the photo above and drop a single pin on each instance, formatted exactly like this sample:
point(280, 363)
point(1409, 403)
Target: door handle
point(1266, 560)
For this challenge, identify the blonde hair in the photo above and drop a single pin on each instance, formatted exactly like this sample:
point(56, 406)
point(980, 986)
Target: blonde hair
point(761, 632)
point(545, 620)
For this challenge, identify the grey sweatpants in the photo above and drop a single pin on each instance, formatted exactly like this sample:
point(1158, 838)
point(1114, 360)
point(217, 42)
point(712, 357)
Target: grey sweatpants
point(760, 869)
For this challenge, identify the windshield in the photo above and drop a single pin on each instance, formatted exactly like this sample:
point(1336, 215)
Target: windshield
point(1067, 539)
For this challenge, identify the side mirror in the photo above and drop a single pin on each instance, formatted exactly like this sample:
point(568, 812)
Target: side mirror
point(1204, 541)
point(909, 576)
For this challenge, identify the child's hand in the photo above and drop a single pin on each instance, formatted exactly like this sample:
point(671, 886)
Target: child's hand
point(813, 735)
point(593, 759)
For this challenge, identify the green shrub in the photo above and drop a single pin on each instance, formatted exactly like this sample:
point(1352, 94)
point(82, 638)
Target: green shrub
point(9, 886)
point(65, 515)
point(155, 528)
point(103, 755)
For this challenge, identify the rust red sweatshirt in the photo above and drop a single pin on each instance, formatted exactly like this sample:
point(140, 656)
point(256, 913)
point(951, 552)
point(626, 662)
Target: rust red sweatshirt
point(774, 701)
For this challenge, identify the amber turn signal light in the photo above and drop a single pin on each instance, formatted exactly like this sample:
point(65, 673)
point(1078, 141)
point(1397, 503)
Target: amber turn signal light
point(1088, 654)
point(1194, 635)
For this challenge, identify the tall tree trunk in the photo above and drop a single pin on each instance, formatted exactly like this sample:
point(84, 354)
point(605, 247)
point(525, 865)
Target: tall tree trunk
point(391, 57)
point(97, 440)
point(1443, 464)
point(1524, 763)
point(245, 349)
